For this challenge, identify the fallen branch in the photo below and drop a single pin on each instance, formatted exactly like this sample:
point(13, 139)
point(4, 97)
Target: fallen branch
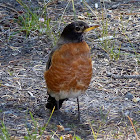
point(114, 76)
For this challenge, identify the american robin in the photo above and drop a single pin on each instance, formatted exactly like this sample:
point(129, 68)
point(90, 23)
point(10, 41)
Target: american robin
point(69, 67)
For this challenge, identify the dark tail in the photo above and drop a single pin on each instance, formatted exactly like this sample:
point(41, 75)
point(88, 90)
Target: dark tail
point(51, 102)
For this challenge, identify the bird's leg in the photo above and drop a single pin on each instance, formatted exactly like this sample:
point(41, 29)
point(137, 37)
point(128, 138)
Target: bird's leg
point(78, 109)
point(57, 105)
point(57, 111)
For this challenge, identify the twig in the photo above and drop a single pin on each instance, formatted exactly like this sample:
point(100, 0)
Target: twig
point(133, 127)
point(123, 76)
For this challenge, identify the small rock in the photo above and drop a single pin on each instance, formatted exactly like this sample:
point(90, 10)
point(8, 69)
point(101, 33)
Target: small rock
point(32, 98)
point(108, 16)
point(136, 99)
point(29, 126)
point(105, 0)
point(96, 5)
point(134, 24)
point(67, 129)
point(8, 112)
point(127, 17)
point(129, 96)
point(126, 99)
point(115, 6)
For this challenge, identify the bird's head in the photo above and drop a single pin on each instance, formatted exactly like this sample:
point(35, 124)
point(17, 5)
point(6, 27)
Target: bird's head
point(75, 31)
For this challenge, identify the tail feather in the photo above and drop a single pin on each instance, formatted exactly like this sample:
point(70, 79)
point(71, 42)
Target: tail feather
point(51, 102)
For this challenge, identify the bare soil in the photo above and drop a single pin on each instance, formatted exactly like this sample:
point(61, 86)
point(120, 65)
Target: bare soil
point(105, 106)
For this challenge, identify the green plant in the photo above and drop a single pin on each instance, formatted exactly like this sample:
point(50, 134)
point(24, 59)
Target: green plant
point(31, 22)
point(32, 135)
point(106, 43)
point(74, 11)
point(5, 135)
point(76, 138)
point(37, 132)
point(28, 21)
point(103, 116)
point(95, 134)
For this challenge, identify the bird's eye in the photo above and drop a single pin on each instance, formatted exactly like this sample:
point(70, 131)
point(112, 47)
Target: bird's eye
point(77, 28)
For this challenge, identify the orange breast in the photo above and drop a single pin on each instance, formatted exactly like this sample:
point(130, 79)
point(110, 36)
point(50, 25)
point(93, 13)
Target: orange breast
point(71, 68)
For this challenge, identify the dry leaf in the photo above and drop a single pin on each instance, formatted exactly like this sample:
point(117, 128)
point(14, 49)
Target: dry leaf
point(14, 138)
point(48, 138)
point(68, 137)
point(135, 73)
point(60, 128)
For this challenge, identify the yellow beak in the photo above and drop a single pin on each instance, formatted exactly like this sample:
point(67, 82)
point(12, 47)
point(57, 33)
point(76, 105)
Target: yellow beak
point(91, 28)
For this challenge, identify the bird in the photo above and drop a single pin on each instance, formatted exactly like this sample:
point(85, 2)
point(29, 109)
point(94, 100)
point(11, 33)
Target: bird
point(69, 67)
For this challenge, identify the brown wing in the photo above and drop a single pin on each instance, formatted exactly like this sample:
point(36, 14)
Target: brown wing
point(48, 64)
point(70, 69)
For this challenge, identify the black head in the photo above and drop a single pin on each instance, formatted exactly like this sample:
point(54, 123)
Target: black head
point(74, 31)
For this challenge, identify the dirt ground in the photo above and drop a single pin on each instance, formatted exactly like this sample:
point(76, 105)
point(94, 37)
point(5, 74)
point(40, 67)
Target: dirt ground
point(110, 98)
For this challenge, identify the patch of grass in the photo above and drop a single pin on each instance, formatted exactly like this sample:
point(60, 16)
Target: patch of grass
point(32, 23)
point(95, 134)
point(106, 41)
point(29, 21)
point(76, 138)
point(103, 116)
point(5, 135)
point(37, 132)
point(107, 44)
point(74, 11)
